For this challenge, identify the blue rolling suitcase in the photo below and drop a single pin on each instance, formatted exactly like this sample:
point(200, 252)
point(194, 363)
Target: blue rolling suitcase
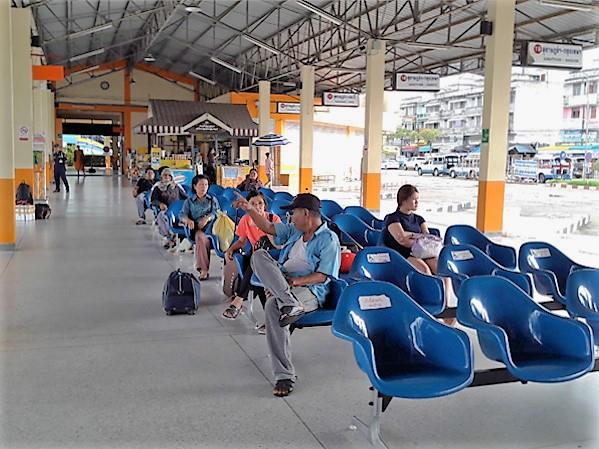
point(181, 293)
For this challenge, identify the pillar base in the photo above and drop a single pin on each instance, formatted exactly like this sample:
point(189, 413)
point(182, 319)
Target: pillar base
point(489, 209)
point(305, 180)
point(8, 247)
point(371, 191)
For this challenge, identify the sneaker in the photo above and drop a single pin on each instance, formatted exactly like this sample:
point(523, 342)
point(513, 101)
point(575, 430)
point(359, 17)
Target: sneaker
point(290, 315)
point(185, 245)
point(262, 329)
point(141, 221)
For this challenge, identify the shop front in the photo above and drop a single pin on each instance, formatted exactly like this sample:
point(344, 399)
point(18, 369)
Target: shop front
point(198, 136)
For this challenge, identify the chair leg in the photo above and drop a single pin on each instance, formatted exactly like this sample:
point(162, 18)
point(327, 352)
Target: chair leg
point(372, 430)
point(249, 311)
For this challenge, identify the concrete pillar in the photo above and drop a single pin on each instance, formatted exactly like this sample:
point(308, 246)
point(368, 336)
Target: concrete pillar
point(8, 229)
point(40, 138)
point(493, 148)
point(306, 129)
point(373, 133)
point(264, 125)
point(22, 135)
point(127, 125)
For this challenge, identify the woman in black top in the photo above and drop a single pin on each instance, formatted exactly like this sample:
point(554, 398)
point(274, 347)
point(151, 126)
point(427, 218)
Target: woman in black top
point(403, 226)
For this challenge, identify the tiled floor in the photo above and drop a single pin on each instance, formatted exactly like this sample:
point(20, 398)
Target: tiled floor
point(89, 360)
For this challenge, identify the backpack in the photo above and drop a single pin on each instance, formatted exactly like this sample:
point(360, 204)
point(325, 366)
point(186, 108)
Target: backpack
point(181, 293)
point(23, 195)
point(42, 211)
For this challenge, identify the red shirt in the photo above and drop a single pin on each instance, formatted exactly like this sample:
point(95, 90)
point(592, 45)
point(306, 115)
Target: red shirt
point(247, 229)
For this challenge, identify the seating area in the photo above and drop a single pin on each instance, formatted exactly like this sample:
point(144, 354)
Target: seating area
point(391, 315)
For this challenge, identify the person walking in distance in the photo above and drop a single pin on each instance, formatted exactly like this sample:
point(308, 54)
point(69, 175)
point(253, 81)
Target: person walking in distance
point(270, 170)
point(60, 169)
point(79, 161)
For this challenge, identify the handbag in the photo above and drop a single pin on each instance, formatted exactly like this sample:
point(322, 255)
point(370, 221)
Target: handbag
point(427, 246)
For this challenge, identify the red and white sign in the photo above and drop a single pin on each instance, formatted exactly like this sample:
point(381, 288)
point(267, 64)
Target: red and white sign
point(429, 82)
point(342, 99)
point(24, 133)
point(288, 108)
point(552, 54)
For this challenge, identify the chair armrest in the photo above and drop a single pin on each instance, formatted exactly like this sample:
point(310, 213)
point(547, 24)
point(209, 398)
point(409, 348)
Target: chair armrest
point(428, 291)
point(443, 344)
point(546, 283)
point(563, 335)
point(504, 255)
point(520, 279)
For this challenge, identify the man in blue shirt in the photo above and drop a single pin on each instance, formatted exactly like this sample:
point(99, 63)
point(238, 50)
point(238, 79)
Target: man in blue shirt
point(298, 282)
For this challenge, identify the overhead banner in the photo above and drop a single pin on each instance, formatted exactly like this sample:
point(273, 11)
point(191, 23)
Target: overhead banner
point(342, 99)
point(429, 82)
point(288, 108)
point(551, 54)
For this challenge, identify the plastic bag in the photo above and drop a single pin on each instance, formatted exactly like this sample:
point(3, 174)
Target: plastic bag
point(224, 230)
point(427, 246)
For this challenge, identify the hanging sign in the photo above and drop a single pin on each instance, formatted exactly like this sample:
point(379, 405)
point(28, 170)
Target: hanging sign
point(24, 133)
point(429, 82)
point(342, 99)
point(288, 108)
point(207, 126)
point(551, 54)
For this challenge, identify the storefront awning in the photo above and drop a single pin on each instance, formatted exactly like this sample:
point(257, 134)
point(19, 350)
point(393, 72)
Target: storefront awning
point(187, 117)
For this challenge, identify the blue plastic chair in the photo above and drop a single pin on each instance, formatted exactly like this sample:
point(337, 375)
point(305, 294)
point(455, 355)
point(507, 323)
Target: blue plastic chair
point(354, 231)
point(215, 190)
point(385, 264)
point(582, 297)
point(403, 350)
point(534, 344)
point(330, 208)
point(187, 189)
point(365, 215)
point(230, 193)
point(269, 193)
point(469, 235)
point(283, 196)
point(233, 213)
point(460, 262)
point(323, 316)
point(275, 208)
point(549, 267)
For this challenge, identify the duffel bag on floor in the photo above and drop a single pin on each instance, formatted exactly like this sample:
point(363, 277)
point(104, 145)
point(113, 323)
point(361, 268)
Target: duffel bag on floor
point(42, 211)
point(181, 293)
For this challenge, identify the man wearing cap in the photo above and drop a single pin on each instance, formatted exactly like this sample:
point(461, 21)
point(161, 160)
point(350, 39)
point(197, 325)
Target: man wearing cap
point(298, 282)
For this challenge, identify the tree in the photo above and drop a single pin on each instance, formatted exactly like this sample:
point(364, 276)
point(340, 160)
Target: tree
point(429, 135)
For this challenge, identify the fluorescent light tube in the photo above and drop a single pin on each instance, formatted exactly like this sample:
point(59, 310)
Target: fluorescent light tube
point(200, 77)
point(261, 44)
point(576, 6)
point(99, 51)
point(93, 30)
point(225, 64)
point(192, 9)
point(316, 10)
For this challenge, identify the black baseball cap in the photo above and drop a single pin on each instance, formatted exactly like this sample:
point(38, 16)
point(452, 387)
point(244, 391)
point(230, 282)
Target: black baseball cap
point(304, 201)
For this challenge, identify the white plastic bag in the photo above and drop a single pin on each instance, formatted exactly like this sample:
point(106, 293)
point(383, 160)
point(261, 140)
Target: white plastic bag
point(427, 246)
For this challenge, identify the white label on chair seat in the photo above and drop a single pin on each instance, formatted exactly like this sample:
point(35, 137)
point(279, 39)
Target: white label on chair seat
point(374, 302)
point(541, 252)
point(462, 255)
point(378, 258)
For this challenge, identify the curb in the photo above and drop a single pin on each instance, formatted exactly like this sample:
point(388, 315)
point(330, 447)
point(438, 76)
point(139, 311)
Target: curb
point(448, 208)
point(574, 226)
point(573, 187)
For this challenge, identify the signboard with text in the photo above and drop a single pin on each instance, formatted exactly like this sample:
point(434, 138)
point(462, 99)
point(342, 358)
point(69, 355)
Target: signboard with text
point(551, 54)
point(429, 82)
point(207, 127)
point(342, 99)
point(288, 108)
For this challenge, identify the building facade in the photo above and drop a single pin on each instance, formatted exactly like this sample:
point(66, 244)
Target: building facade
point(457, 109)
point(580, 104)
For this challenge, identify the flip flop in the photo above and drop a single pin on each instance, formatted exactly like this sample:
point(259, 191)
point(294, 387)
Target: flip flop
point(285, 387)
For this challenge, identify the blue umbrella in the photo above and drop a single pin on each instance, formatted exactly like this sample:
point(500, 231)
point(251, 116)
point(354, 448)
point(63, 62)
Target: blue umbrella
point(270, 140)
